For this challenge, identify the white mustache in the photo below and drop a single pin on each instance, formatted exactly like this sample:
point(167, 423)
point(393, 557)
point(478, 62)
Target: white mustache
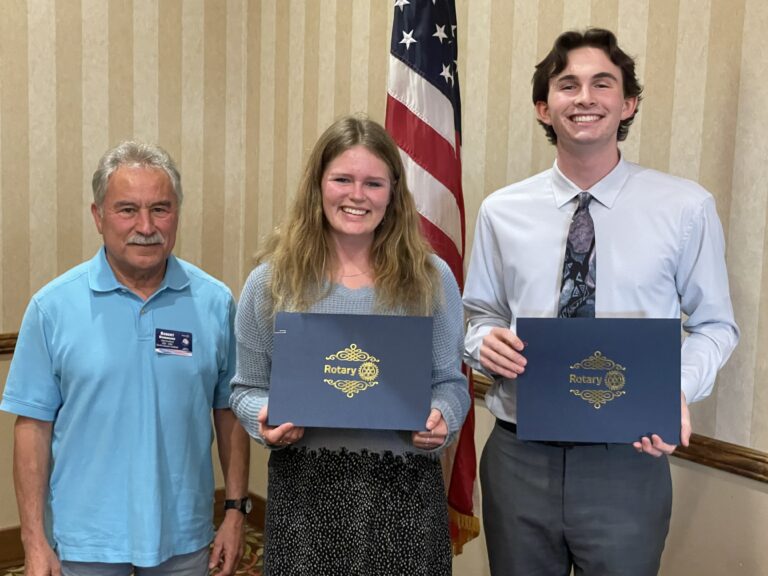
point(141, 240)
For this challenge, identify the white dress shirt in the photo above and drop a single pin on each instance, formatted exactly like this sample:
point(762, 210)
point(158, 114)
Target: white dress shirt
point(660, 251)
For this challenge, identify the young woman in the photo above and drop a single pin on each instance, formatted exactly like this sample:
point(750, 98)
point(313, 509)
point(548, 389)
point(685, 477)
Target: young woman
point(343, 501)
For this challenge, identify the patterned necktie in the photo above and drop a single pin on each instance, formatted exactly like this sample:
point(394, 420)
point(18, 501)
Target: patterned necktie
point(577, 294)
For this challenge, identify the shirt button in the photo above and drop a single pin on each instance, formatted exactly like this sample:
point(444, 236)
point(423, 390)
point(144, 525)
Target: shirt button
point(143, 311)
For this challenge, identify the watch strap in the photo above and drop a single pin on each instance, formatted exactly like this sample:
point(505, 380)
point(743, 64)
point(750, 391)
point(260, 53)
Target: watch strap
point(243, 505)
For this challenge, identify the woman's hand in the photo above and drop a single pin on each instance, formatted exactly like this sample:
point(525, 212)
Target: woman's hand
point(435, 434)
point(282, 435)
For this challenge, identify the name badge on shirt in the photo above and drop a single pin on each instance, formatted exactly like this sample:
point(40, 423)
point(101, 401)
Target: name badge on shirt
point(173, 342)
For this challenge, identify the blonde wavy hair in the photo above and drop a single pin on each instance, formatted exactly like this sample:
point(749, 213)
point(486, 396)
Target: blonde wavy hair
point(300, 251)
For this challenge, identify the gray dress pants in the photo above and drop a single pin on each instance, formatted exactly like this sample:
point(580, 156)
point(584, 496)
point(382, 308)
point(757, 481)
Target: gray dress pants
point(600, 509)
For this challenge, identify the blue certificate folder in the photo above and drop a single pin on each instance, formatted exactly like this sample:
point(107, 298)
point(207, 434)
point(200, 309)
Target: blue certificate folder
point(599, 379)
point(351, 371)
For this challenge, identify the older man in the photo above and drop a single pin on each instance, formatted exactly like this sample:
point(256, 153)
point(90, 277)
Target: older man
point(118, 365)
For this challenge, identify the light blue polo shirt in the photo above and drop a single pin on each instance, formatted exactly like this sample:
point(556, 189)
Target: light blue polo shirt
point(131, 478)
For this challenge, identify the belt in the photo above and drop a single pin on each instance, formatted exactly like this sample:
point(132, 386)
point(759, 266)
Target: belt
point(508, 426)
point(512, 427)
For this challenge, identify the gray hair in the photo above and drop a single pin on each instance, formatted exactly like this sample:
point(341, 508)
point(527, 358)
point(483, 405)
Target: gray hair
point(134, 155)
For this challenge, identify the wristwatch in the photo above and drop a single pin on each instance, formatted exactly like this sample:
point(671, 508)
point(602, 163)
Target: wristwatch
point(244, 505)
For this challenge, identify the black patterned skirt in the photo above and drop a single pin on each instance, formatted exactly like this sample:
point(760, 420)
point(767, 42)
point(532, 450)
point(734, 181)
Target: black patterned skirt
point(355, 514)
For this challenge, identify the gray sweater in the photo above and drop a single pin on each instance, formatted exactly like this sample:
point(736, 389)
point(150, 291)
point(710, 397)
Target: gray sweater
point(254, 327)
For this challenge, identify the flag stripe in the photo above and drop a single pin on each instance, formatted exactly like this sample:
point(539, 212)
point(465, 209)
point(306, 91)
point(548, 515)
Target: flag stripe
point(424, 145)
point(434, 201)
point(444, 246)
point(464, 466)
point(424, 100)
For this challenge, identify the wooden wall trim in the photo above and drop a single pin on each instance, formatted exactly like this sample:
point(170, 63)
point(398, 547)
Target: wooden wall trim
point(12, 552)
point(8, 342)
point(726, 456)
point(702, 449)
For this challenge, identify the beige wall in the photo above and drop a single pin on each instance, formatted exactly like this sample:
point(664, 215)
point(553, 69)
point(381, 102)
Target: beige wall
point(239, 90)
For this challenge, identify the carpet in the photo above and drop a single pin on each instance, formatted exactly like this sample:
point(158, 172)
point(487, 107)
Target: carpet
point(250, 565)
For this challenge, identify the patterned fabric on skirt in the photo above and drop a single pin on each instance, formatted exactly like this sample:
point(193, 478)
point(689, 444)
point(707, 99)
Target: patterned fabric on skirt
point(355, 514)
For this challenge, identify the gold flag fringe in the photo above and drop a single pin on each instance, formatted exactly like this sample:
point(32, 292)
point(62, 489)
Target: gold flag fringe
point(463, 529)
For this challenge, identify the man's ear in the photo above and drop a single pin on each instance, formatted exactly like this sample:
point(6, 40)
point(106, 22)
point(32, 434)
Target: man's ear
point(542, 112)
point(96, 213)
point(630, 105)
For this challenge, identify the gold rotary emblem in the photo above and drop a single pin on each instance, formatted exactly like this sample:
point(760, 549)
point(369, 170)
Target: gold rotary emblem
point(614, 380)
point(368, 371)
point(606, 378)
point(359, 368)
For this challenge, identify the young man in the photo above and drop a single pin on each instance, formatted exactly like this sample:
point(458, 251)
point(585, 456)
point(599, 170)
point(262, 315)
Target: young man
point(642, 244)
point(119, 363)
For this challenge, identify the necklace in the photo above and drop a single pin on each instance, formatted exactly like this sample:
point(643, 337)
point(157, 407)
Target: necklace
point(354, 275)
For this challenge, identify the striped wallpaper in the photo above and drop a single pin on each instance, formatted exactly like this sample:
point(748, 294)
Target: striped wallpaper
point(238, 91)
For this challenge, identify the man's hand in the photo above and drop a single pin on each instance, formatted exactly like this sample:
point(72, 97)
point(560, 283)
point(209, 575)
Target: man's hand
point(436, 432)
point(500, 353)
point(40, 559)
point(229, 544)
point(655, 445)
point(282, 435)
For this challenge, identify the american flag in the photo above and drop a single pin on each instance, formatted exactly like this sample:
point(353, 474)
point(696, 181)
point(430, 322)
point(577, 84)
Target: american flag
point(424, 119)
